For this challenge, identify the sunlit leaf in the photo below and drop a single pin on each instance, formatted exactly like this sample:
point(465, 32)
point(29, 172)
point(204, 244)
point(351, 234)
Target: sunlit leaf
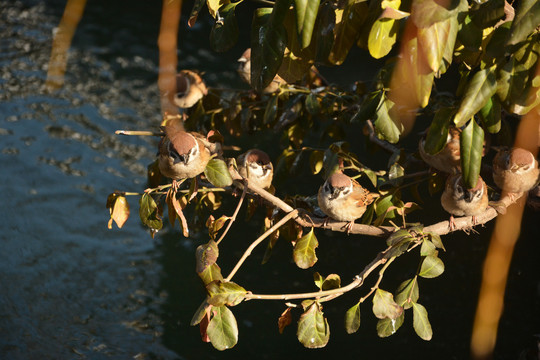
point(432, 267)
point(472, 148)
point(348, 23)
point(387, 327)
point(222, 329)
point(175, 210)
point(313, 330)
point(384, 305)
point(434, 41)
point(118, 208)
point(200, 313)
point(217, 173)
point(304, 251)
point(383, 33)
point(527, 18)
point(425, 13)
point(215, 225)
point(225, 293)
point(428, 249)
point(215, 6)
point(224, 33)
point(398, 236)
point(306, 14)
point(352, 319)
point(149, 213)
point(385, 123)
point(421, 324)
point(316, 161)
point(407, 293)
point(479, 90)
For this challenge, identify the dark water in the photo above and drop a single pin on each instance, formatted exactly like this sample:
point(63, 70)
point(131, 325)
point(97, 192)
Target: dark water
point(72, 289)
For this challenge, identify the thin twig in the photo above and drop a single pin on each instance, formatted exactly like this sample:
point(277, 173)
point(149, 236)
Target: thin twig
point(138, 133)
point(233, 217)
point(286, 218)
point(379, 279)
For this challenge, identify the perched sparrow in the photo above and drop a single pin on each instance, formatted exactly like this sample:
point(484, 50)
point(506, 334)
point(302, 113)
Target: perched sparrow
point(182, 154)
point(460, 201)
point(343, 199)
point(448, 159)
point(245, 73)
point(255, 165)
point(190, 88)
point(515, 170)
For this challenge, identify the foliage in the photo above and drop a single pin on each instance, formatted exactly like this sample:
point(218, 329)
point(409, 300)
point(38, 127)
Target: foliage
point(492, 53)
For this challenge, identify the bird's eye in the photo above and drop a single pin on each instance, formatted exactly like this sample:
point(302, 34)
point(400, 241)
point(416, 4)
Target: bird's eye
point(346, 191)
point(526, 167)
point(260, 163)
point(328, 188)
point(459, 190)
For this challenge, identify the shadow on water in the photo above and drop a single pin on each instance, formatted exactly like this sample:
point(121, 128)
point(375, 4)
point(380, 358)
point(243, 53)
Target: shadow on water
point(73, 289)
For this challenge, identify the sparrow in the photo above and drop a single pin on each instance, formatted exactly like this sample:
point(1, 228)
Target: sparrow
point(515, 170)
point(190, 88)
point(245, 73)
point(255, 165)
point(460, 201)
point(447, 160)
point(182, 154)
point(343, 199)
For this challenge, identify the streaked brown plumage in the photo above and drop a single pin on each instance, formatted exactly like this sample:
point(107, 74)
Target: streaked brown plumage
point(255, 165)
point(343, 199)
point(515, 170)
point(460, 201)
point(182, 154)
point(245, 73)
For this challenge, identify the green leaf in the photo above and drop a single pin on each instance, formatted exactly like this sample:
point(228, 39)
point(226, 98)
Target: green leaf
point(437, 135)
point(428, 249)
point(432, 267)
point(200, 313)
point(316, 161)
point(211, 273)
point(348, 23)
point(323, 33)
point(268, 43)
point(421, 324)
point(148, 212)
point(488, 14)
point(217, 173)
point(222, 329)
point(330, 162)
point(306, 14)
point(387, 327)
point(479, 90)
point(407, 293)
point(225, 293)
point(425, 13)
point(332, 281)
point(527, 19)
point(398, 236)
point(384, 305)
point(491, 115)
point(472, 148)
point(206, 255)
point(224, 33)
point(352, 319)
point(313, 331)
point(382, 37)
point(435, 41)
point(436, 240)
point(386, 123)
point(304, 251)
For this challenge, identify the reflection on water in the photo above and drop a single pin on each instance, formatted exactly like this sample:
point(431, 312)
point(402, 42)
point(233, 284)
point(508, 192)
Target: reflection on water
point(73, 289)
